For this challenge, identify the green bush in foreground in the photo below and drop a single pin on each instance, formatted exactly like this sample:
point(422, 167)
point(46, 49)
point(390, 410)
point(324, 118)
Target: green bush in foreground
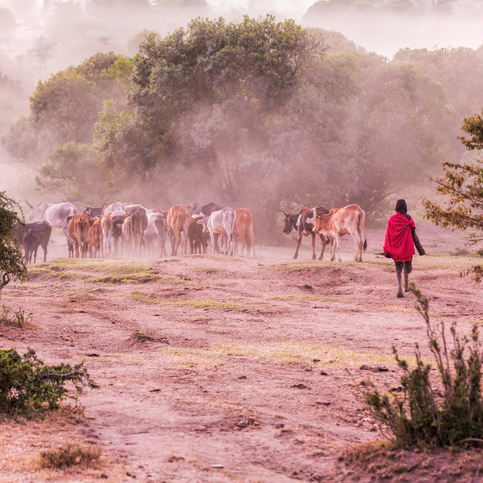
point(452, 412)
point(26, 383)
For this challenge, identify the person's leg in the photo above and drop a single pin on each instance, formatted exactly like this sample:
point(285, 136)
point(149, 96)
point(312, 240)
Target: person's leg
point(399, 268)
point(406, 288)
point(408, 268)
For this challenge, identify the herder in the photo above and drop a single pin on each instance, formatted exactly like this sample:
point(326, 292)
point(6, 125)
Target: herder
point(399, 243)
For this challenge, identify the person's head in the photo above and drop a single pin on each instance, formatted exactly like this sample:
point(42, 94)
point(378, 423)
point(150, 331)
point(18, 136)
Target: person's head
point(401, 207)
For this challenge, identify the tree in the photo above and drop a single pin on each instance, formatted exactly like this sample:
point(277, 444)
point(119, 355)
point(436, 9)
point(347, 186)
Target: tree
point(65, 107)
point(11, 259)
point(463, 184)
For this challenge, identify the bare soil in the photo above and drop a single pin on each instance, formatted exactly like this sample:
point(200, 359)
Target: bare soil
point(217, 369)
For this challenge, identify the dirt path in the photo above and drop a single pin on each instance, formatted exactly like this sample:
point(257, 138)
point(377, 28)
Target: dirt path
point(228, 369)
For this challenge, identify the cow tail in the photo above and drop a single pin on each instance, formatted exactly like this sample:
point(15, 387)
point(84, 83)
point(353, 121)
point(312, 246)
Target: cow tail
point(362, 231)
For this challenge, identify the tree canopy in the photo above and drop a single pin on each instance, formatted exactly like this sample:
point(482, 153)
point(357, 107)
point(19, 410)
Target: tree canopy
point(463, 185)
point(11, 258)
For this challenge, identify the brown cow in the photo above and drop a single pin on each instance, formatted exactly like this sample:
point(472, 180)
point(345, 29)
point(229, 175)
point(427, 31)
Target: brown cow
point(303, 223)
point(244, 231)
point(77, 229)
point(126, 240)
point(139, 223)
point(95, 238)
point(177, 226)
point(340, 222)
point(160, 224)
point(197, 236)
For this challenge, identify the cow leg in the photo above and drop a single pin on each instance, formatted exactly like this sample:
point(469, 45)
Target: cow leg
point(314, 256)
point(299, 241)
point(322, 251)
point(44, 247)
point(35, 254)
point(358, 242)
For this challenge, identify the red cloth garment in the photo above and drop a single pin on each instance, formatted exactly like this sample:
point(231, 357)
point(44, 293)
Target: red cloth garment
point(398, 241)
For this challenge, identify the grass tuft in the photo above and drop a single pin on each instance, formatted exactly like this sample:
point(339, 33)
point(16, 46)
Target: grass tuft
point(69, 455)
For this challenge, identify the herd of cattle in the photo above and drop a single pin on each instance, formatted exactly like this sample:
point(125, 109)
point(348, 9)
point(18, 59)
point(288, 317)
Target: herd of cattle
point(132, 229)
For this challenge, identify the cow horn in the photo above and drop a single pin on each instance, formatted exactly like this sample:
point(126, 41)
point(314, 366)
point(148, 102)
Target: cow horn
point(28, 204)
point(284, 213)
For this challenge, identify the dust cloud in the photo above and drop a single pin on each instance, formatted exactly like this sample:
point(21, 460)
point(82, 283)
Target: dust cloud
point(41, 37)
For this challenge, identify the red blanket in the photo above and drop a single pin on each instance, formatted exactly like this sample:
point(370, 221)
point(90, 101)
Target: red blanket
point(398, 241)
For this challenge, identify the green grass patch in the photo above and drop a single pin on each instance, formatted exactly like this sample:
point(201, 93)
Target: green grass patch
point(97, 271)
point(200, 304)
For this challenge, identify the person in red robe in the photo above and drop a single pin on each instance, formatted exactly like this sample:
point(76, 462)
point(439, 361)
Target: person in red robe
point(399, 243)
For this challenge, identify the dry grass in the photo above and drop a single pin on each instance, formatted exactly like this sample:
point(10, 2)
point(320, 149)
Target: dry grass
point(200, 304)
point(22, 441)
point(289, 352)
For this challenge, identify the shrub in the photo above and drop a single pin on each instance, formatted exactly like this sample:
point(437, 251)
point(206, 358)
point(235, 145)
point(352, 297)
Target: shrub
point(26, 383)
point(69, 455)
point(448, 414)
point(16, 318)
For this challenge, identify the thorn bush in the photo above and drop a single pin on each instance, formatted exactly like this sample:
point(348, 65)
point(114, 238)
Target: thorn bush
point(26, 383)
point(448, 413)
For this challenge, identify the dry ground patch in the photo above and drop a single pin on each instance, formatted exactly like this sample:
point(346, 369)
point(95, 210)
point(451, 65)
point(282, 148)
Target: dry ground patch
point(242, 373)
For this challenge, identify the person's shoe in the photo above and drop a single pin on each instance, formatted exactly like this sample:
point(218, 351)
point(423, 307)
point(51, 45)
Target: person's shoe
point(400, 295)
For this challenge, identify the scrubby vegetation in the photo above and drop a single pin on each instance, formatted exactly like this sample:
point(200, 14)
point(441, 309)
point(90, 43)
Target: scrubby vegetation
point(26, 383)
point(69, 455)
point(435, 411)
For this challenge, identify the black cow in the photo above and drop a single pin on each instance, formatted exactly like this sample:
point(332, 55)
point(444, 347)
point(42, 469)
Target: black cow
point(207, 209)
point(94, 212)
point(118, 221)
point(43, 231)
point(303, 223)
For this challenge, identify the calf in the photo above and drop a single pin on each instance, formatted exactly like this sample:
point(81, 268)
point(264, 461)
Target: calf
point(139, 224)
point(340, 222)
point(43, 230)
point(244, 231)
point(303, 223)
point(94, 237)
point(197, 236)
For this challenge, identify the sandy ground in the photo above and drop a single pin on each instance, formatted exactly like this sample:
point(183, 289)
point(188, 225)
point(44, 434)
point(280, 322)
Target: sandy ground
point(216, 369)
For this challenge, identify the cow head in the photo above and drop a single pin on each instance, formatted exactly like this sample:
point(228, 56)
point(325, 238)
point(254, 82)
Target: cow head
point(287, 229)
point(36, 211)
point(87, 211)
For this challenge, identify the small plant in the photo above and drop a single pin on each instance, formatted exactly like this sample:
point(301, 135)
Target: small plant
point(15, 318)
point(141, 337)
point(26, 383)
point(69, 455)
point(447, 414)
point(308, 287)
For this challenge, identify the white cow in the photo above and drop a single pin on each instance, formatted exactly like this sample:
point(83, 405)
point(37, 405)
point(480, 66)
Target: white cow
point(54, 214)
point(219, 223)
point(114, 206)
point(155, 231)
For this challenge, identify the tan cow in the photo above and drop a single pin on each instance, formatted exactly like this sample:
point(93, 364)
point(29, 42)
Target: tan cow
point(244, 231)
point(95, 238)
point(340, 222)
point(77, 229)
point(177, 226)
